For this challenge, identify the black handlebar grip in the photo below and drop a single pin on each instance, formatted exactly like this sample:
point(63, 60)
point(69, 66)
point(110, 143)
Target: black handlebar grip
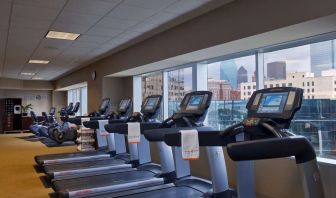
point(231, 130)
point(297, 146)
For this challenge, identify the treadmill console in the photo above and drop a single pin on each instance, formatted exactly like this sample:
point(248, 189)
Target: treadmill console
point(151, 104)
point(195, 102)
point(275, 103)
point(124, 105)
point(104, 105)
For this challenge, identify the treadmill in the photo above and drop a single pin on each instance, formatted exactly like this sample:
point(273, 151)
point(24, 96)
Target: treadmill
point(102, 113)
point(125, 106)
point(111, 165)
point(147, 174)
point(270, 112)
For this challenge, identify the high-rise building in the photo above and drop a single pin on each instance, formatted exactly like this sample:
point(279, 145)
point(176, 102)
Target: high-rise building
point(228, 72)
point(321, 56)
point(276, 70)
point(220, 89)
point(241, 75)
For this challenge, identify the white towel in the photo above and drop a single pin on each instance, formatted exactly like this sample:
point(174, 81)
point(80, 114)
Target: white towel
point(101, 129)
point(133, 132)
point(190, 144)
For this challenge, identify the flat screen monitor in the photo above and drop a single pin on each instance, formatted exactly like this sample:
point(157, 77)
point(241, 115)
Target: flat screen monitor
point(123, 105)
point(272, 102)
point(194, 102)
point(104, 104)
point(150, 103)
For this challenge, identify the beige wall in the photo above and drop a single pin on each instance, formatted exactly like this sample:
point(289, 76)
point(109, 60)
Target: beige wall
point(240, 19)
point(6, 83)
point(117, 89)
point(40, 99)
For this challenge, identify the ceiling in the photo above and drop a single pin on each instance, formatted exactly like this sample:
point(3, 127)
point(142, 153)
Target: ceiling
point(324, 27)
point(104, 25)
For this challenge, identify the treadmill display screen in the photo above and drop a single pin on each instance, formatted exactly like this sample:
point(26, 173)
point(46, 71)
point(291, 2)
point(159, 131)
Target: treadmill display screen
point(194, 102)
point(104, 104)
point(123, 105)
point(272, 102)
point(150, 103)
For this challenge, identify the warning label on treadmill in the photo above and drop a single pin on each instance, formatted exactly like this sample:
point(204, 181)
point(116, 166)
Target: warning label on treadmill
point(133, 132)
point(190, 144)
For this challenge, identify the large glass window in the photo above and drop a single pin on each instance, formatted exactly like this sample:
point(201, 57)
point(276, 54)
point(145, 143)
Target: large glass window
point(312, 68)
point(79, 95)
point(226, 80)
point(179, 83)
point(152, 84)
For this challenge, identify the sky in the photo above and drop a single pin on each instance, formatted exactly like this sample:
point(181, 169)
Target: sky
point(297, 59)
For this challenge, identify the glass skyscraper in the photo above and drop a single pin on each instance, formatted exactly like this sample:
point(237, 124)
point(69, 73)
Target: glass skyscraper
point(228, 71)
point(322, 56)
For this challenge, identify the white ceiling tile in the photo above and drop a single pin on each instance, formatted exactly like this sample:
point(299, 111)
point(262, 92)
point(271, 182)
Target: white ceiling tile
point(34, 12)
point(23, 22)
point(161, 18)
point(93, 39)
point(99, 8)
point(131, 13)
point(45, 53)
point(184, 6)
point(152, 4)
point(68, 27)
point(144, 27)
point(55, 44)
point(108, 22)
point(5, 8)
point(96, 31)
point(58, 4)
point(67, 17)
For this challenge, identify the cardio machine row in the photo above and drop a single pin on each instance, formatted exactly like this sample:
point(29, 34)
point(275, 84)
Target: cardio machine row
point(114, 173)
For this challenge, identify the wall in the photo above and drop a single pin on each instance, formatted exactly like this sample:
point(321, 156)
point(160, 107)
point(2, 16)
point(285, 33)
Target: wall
point(40, 99)
point(117, 89)
point(59, 100)
point(6, 83)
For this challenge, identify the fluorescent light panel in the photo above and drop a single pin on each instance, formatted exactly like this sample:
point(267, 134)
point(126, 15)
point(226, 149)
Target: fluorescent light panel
point(38, 61)
point(37, 78)
point(27, 73)
point(62, 35)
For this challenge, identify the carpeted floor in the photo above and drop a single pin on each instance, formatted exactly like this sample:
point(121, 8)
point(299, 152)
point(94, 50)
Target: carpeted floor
point(18, 177)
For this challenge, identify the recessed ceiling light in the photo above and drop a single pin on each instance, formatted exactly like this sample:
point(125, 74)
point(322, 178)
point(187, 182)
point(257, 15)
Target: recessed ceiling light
point(62, 35)
point(27, 73)
point(38, 61)
point(37, 78)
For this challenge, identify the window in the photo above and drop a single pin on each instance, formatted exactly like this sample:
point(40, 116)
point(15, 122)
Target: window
point(233, 80)
point(179, 83)
point(152, 84)
point(79, 95)
point(228, 77)
point(315, 119)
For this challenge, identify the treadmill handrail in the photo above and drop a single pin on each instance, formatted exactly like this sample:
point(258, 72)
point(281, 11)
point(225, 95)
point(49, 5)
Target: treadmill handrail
point(207, 136)
point(297, 146)
point(122, 128)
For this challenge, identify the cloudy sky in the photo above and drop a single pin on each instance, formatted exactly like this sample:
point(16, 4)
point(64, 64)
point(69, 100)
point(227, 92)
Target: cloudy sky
point(297, 60)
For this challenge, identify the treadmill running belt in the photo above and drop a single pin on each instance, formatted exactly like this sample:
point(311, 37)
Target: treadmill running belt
point(66, 155)
point(81, 165)
point(100, 181)
point(181, 191)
